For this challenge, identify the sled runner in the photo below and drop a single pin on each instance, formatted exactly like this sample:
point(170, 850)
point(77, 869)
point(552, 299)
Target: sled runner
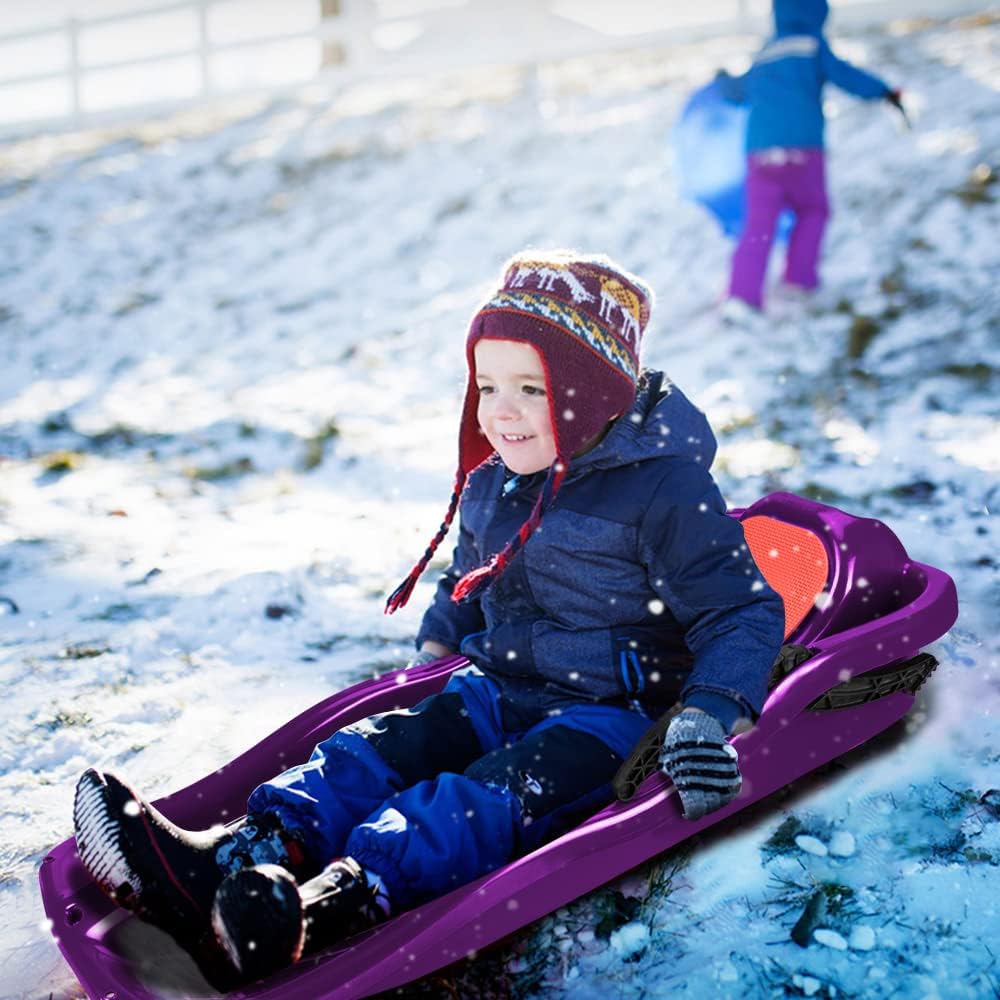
point(858, 612)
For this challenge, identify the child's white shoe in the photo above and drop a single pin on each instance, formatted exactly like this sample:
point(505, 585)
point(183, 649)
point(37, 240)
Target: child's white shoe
point(790, 302)
point(738, 313)
point(788, 291)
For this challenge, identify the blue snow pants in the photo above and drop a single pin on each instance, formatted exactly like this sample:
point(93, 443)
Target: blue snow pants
point(434, 796)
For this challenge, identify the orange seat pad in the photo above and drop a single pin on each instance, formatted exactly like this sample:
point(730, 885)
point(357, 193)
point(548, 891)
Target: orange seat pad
point(794, 562)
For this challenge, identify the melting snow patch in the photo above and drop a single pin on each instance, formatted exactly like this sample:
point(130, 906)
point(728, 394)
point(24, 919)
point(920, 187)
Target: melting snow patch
point(842, 844)
point(726, 972)
point(630, 939)
point(809, 985)
point(811, 845)
point(862, 939)
point(829, 938)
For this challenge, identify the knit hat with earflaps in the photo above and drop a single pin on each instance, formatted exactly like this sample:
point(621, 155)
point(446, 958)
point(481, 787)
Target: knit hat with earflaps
point(585, 316)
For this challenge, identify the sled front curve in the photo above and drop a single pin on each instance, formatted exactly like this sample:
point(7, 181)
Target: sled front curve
point(83, 920)
point(876, 610)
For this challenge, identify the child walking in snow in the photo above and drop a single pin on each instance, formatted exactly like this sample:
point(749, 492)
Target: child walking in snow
point(596, 581)
point(784, 141)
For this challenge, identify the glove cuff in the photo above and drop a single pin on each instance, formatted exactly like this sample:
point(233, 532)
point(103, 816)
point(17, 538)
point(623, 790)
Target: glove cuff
point(726, 710)
point(421, 658)
point(697, 726)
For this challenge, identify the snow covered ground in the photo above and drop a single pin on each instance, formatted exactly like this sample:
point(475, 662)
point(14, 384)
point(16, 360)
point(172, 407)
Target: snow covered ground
point(231, 365)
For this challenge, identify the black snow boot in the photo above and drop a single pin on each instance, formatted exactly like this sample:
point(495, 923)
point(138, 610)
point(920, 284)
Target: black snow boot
point(264, 921)
point(161, 872)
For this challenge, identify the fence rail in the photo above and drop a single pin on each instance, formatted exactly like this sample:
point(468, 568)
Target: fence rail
point(283, 43)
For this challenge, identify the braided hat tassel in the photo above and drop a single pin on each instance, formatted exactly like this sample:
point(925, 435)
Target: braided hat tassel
point(398, 598)
point(472, 585)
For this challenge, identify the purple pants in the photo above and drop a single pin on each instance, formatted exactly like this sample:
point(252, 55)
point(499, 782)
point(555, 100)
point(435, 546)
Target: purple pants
point(778, 179)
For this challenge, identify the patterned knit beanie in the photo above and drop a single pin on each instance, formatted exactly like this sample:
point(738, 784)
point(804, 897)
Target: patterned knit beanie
point(585, 316)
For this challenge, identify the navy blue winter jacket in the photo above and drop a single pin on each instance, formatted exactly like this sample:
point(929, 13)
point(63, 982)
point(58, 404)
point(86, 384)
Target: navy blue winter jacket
point(636, 587)
point(784, 85)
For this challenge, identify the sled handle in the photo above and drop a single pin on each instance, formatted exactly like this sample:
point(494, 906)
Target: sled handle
point(644, 759)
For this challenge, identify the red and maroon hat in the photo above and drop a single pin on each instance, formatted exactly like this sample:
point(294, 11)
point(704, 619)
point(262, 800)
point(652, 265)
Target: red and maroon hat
point(585, 316)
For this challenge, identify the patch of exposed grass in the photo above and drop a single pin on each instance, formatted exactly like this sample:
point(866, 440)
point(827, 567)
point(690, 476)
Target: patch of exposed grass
point(978, 187)
point(120, 612)
point(823, 494)
point(862, 331)
point(960, 800)
point(124, 436)
point(978, 856)
point(917, 491)
point(83, 651)
point(317, 444)
point(782, 841)
point(58, 463)
point(977, 372)
point(64, 719)
point(815, 903)
point(613, 909)
point(218, 473)
point(54, 423)
point(138, 299)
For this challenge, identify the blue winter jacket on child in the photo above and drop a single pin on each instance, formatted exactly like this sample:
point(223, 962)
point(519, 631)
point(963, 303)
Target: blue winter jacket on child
point(784, 85)
point(637, 587)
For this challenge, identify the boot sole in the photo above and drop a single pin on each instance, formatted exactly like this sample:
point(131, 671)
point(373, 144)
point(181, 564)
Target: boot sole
point(269, 895)
point(96, 821)
point(112, 826)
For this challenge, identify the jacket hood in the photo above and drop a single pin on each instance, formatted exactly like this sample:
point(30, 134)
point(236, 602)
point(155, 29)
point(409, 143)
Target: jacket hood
point(662, 422)
point(800, 17)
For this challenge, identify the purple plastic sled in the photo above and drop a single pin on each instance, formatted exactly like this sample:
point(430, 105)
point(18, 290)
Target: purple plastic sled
point(852, 673)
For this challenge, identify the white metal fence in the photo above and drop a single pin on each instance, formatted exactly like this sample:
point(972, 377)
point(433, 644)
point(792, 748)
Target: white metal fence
point(148, 56)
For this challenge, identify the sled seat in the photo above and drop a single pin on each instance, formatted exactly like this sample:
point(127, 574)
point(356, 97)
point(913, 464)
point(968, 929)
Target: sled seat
point(857, 612)
point(833, 570)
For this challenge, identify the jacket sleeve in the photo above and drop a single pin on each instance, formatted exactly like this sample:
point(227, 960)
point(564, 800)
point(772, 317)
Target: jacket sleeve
point(732, 88)
point(702, 569)
point(445, 621)
point(855, 81)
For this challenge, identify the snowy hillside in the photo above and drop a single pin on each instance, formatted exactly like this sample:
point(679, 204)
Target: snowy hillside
point(230, 368)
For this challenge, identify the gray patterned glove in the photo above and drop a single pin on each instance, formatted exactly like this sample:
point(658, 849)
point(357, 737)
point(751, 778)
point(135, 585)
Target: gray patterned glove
point(700, 762)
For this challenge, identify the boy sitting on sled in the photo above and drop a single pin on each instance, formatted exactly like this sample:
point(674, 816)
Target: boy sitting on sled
point(597, 580)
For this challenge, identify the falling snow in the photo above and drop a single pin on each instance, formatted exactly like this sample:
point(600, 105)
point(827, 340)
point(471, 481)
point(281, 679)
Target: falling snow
point(232, 360)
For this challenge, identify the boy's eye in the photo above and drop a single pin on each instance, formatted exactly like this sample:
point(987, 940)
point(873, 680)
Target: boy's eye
point(533, 390)
point(485, 390)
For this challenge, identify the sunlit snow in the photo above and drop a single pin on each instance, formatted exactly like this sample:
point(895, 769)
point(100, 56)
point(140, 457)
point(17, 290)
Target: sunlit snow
point(231, 364)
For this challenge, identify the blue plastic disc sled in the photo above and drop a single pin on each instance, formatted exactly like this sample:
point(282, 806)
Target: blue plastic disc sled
point(709, 141)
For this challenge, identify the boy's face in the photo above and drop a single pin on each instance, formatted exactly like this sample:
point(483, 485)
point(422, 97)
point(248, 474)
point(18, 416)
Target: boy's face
point(513, 404)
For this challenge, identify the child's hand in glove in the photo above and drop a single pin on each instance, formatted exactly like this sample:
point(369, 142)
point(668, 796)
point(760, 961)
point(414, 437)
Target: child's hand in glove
point(701, 764)
point(429, 652)
point(421, 658)
point(895, 98)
